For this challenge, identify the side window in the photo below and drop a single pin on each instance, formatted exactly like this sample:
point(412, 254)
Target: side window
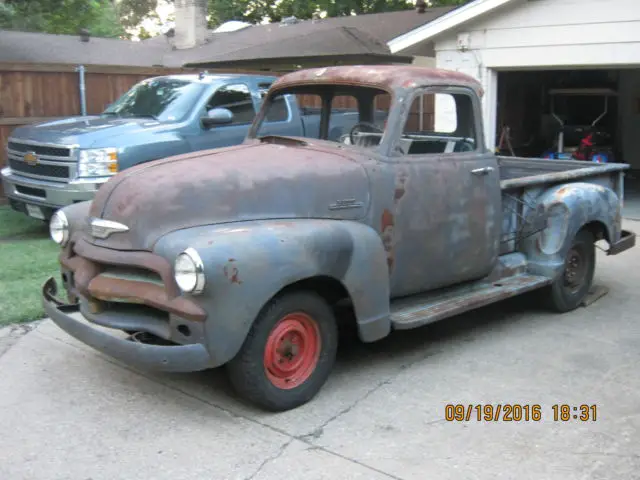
point(279, 110)
point(237, 99)
point(439, 123)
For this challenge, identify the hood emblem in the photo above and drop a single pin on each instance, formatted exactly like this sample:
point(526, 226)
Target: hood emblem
point(30, 158)
point(103, 228)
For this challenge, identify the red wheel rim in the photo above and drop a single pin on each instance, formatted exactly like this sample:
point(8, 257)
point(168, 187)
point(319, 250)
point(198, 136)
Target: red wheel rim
point(292, 350)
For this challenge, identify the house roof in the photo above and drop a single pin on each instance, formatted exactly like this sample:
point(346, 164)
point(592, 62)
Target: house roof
point(348, 35)
point(356, 35)
point(338, 41)
point(29, 47)
point(443, 23)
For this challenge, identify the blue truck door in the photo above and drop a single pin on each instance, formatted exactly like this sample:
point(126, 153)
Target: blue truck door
point(447, 193)
point(238, 100)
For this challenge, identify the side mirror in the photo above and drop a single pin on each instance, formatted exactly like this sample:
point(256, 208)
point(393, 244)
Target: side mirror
point(217, 116)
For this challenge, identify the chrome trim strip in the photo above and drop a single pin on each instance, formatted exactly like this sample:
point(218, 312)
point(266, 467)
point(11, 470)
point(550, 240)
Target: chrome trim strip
point(101, 228)
point(42, 160)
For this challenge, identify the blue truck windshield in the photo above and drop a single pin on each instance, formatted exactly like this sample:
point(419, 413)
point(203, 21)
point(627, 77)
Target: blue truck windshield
point(165, 99)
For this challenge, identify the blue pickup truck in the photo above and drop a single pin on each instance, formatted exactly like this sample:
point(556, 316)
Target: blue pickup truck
point(58, 163)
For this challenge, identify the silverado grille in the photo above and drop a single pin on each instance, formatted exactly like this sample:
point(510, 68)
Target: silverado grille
point(41, 161)
point(43, 150)
point(54, 171)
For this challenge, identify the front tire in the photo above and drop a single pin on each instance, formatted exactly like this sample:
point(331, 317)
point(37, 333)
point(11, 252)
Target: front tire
point(572, 286)
point(288, 354)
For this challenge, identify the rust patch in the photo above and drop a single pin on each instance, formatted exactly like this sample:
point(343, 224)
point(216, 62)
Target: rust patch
point(386, 77)
point(386, 233)
point(231, 273)
point(131, 291)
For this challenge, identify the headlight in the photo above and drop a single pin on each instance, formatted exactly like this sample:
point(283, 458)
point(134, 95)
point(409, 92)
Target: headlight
point(59, 228)
point(189, 272)
point(98, 162)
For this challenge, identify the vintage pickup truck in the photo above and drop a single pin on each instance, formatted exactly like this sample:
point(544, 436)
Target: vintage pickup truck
point(57, 163)
point(240, 256)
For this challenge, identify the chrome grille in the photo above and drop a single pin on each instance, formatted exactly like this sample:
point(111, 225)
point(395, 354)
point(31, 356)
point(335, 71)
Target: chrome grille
point(53, 162)
point(55, 171)
point(43, 150)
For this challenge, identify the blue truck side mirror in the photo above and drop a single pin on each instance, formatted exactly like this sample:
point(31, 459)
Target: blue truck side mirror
point(217, 116)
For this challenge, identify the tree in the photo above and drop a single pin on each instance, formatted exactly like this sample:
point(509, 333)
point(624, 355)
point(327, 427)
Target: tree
point(62, 16)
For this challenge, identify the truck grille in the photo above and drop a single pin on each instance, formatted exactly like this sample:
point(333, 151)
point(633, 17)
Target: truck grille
point(52, 162)
point(41, 150)
point(54, 171)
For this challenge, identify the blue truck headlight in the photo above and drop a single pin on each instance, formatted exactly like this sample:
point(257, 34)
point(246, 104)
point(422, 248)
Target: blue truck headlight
point(59, 228)
point(188, 271)
point(98, 162)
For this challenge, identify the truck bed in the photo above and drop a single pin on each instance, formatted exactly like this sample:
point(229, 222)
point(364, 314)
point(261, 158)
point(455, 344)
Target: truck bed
point(518, 172)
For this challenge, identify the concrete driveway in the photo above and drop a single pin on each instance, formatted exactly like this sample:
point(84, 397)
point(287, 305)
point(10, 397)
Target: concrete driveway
point(67, 412)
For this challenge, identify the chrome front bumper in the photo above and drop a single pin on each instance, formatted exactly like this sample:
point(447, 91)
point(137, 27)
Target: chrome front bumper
point(48, 194)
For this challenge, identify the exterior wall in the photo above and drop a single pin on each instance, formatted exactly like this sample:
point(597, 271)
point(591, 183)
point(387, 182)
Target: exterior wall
point(542, 34)
point(421, 61)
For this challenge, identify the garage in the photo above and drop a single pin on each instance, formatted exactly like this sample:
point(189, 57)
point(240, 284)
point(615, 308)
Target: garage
point(553, 71)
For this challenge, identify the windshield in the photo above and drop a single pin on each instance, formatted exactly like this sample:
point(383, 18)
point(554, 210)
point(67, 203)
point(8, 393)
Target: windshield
point(357, 115)
point(165, 99)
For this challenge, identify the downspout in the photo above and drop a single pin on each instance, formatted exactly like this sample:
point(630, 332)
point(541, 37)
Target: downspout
point(83, 90)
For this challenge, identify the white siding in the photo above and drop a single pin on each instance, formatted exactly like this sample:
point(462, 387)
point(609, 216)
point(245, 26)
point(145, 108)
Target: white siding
point(543, 34)
point(554, 33)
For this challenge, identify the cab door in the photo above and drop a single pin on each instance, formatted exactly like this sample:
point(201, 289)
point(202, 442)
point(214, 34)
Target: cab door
point(449, 215)
point(238, 100)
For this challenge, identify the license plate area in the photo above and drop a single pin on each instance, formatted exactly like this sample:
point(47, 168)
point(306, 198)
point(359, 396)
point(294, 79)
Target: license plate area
point(35, 212)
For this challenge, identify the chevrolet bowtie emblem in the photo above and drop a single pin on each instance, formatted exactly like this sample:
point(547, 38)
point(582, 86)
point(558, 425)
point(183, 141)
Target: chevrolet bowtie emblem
point(30, 158)
point(103, 228)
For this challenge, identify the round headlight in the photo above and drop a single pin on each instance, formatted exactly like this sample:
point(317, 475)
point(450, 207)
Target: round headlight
point(189, 271)
point(59, 228)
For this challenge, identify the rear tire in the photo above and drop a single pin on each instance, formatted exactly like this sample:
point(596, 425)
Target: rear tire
point(288, 353)
point(571, 287)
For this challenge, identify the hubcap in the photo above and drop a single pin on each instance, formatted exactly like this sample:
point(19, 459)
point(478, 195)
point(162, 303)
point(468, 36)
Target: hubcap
point(575, 269)
point(292, 350)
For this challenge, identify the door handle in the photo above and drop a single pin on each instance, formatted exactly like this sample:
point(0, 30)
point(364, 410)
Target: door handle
point(482, 171)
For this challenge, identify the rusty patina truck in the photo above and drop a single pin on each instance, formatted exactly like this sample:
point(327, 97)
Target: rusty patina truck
point(240, 256)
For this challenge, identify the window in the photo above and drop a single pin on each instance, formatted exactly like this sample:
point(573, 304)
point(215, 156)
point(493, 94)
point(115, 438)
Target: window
point(357, 115)
point(439, 123)
point(165, 99)
point(237, 99)
point(279, 112)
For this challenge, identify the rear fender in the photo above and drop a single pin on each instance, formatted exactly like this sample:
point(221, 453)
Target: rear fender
point(567, 208)
point(247, 263)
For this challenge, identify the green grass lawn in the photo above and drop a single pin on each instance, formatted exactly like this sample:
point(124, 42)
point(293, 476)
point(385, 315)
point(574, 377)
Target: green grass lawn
point(28, 257)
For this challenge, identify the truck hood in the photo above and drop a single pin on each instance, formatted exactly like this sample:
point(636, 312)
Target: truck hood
point(92, 131)
point(247, 182)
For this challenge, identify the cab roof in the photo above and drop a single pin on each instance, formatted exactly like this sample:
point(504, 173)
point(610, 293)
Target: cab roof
point(385, 77)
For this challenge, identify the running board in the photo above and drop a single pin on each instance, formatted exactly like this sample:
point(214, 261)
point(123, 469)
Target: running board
point(418, 310)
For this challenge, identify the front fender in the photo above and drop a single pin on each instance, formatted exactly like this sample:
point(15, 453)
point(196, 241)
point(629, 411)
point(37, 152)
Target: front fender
point(247, 263)
point(567, 209)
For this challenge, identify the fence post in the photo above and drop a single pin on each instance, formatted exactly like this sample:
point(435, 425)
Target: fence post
point(83, 95)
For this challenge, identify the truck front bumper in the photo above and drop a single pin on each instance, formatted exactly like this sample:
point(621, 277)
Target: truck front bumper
point(167, 358)
point(627, 241)
point(45, 196)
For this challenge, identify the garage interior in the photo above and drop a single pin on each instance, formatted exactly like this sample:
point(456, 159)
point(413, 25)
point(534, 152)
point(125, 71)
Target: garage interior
point(531, 103)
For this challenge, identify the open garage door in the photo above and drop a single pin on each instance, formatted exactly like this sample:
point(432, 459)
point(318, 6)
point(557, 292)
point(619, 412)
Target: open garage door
point(545, 111)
